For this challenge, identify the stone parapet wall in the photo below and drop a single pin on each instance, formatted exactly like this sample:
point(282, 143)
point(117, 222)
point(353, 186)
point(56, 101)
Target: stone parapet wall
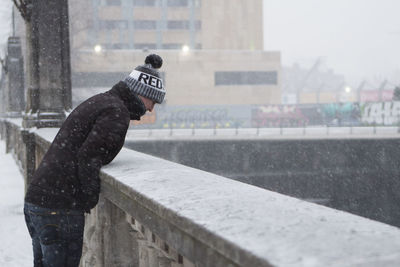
point(354, 173)
point(153, 212)
point(20, 143)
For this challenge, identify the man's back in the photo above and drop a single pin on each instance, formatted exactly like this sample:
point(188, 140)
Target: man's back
point(90, 137)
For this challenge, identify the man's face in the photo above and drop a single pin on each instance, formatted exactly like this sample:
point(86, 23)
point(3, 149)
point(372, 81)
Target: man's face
point(148, 103)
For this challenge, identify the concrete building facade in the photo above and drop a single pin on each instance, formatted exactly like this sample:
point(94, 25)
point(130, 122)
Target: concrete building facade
point(169, 24)
point(213, 50)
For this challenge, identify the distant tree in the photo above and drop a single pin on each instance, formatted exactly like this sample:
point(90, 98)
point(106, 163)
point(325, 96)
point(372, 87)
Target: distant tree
point(396, 94)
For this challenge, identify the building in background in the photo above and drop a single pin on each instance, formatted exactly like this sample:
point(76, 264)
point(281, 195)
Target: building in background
point(213, 50)
point(321, 85)
point(316, 84)
point(170, 24)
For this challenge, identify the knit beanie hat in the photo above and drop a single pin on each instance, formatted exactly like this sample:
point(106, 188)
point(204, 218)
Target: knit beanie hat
point(145, 80)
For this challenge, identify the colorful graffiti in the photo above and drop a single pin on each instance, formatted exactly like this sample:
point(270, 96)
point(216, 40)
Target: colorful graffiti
point(201, 117)
point(382, 113)
point(341, 114)
point(275, 116)
point(335, 114)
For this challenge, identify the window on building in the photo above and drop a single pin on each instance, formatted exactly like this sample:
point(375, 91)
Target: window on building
point(145, 24)
point(111, 46)
point(177, 24)
point(182, 25)
point(172, 46)
point(246, 78)
point(145, 46)
point(178, 46)
point(113, 24)
point(106, 46)
point(120, 46)
point(178, 3)
point(113, 2)
point(144, 2)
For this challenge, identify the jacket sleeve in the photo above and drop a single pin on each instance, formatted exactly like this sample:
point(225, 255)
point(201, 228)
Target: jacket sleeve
point(102, 144)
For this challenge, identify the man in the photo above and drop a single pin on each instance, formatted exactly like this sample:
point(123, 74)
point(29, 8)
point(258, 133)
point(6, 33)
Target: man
point(66, 184)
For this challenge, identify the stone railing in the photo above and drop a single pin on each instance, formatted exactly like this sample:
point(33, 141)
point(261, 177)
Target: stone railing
point(153, 212)
point(357, 174)
point(21, 143)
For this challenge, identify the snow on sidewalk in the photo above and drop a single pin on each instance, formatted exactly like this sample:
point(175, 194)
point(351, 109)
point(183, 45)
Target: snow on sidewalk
point(15, 245)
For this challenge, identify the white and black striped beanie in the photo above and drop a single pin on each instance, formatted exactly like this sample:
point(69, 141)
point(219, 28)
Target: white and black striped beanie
point(145, 80)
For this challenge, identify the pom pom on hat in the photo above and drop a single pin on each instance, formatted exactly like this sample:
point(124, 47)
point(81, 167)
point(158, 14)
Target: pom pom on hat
point(154, 60)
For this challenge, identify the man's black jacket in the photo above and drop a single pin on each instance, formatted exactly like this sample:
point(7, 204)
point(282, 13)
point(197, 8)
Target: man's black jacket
point(91, 136)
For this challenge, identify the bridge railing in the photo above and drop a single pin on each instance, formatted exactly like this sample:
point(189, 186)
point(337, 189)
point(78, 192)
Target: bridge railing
point(153, 212)
point(323, 131)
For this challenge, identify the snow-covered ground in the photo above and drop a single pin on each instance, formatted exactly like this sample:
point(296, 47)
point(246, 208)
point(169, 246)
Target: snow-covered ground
point(15, 245)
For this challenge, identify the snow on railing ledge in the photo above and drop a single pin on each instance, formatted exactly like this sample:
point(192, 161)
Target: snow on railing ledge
point(246, 224)
point(194, 218)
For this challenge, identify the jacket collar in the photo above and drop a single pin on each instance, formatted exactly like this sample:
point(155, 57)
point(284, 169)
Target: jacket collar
point(132, 102)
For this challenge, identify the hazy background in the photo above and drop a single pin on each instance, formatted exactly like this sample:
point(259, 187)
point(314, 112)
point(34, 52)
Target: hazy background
point(5, 23)
point(357, 38)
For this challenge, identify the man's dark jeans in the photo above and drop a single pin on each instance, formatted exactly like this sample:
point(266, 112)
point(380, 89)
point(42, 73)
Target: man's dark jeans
point(57, 235)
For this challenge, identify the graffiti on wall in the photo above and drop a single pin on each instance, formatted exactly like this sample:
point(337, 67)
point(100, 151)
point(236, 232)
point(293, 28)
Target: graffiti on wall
point(276, 115)
point(341, 114)
point(335, 114)
point(381, 113)
point(206, 117)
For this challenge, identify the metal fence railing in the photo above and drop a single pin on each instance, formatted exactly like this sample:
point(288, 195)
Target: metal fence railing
point(323, 131)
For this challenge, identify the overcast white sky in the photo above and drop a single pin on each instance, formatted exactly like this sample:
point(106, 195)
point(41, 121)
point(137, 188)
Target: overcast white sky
point(357, 38)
